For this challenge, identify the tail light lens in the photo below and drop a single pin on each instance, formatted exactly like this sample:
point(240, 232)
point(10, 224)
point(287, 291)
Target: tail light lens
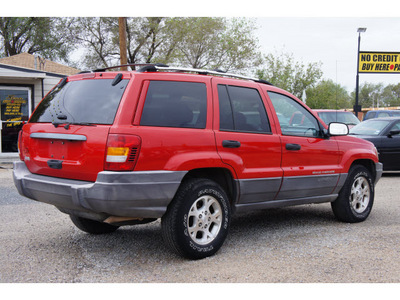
point(23, 151)
point(122, 152)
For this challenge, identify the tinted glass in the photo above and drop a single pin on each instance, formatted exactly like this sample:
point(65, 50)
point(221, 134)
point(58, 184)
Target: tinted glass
point(175, 104)
point(225, 109)
point(298, 121)
point(242, 109)
point(339, 116)
point(370, 127)
point(83, 101)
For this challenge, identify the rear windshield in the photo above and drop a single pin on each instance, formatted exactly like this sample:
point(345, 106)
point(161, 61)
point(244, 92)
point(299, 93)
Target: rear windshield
point(84, 101)
point(343, 117)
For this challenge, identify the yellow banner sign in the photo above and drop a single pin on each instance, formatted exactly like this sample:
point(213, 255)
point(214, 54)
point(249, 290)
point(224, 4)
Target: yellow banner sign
point(379, 62)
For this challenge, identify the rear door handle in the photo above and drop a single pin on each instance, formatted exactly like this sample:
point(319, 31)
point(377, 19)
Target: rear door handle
point(230, 144)
point(293, 147)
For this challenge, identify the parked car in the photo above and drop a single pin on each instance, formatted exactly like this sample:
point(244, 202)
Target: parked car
point(128, 147)
point(381, 114)
point(346, 117)
point(384, 133)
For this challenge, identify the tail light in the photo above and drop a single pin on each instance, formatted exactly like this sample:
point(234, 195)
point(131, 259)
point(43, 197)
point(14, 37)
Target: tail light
point(23, 151)
point(122, 152)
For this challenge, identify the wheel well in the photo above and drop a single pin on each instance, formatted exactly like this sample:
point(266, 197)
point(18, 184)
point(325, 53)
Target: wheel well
point(221, 176)
point(369, 164)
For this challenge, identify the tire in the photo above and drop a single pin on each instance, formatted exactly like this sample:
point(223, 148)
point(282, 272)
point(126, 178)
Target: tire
point(356, 198)
point(91, 226)
point(197, 220)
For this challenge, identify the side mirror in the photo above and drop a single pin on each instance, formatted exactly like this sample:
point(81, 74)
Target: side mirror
point(337, 129)
point(393, 132)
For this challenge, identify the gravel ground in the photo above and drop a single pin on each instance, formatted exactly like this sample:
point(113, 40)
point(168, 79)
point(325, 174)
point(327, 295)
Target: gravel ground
point(303, 244)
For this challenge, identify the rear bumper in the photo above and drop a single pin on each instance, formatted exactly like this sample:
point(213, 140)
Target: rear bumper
point(143, 194)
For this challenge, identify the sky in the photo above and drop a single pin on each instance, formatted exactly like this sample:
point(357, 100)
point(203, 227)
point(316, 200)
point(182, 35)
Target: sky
point(333, 41)
point(310, 30)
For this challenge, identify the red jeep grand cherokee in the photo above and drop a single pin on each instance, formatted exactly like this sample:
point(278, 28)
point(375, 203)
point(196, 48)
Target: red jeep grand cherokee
point(191, 148)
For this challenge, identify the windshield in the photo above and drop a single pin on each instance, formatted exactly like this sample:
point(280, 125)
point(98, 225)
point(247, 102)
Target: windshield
point(339, 116)
point(373, 127)
point(82, 101)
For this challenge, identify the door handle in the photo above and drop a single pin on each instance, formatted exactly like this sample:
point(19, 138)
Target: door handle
point(293, 147)
point(230, 144)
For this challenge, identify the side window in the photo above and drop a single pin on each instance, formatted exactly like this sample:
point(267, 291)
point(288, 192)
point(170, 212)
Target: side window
point(396, 126)
point(175, 104)
point(383, 115)
point(294, 119)
point(241, 109)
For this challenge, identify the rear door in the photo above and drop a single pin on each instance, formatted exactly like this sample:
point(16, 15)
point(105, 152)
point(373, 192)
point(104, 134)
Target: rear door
point(309, 161)
point(67, 134)
point(246, 140)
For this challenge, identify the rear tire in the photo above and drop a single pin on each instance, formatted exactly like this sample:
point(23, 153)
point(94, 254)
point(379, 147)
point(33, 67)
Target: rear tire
point(356, 198)
point(91, 226)
point(197, 220)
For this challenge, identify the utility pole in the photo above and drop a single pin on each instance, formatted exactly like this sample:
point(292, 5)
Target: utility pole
point(357, 108)
point(122, 42)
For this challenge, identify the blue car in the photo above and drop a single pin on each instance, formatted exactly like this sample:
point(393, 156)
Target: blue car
point(381, 114)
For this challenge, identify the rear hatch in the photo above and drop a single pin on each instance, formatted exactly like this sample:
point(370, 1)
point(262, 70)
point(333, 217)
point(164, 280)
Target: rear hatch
point(66, 135)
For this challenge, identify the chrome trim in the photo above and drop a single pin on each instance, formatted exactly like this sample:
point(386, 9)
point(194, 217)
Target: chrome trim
point(58, 136)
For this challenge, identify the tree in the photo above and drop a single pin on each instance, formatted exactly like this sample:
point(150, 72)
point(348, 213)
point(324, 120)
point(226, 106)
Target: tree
point(190, 42)
point(369, 95)
point(47, 37)
point(217, 43)
point(283, 71)
point(328, 95)
point(96, 36)
point(390, 95)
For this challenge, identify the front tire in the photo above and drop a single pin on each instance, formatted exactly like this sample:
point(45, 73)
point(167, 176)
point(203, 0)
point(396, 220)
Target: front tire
point(356, 198)
point(197, 220)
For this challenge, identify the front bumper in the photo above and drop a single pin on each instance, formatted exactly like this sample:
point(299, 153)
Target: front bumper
point(378, 171)
point(143, 194)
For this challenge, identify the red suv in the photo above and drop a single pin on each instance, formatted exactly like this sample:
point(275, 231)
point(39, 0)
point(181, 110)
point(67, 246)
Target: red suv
point(189, 146)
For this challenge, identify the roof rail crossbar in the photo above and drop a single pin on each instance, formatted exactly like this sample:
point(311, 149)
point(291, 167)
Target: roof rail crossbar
point(149, 67)
point(120, 66)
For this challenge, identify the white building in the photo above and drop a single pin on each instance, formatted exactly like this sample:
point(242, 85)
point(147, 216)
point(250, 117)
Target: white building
point(24, 80)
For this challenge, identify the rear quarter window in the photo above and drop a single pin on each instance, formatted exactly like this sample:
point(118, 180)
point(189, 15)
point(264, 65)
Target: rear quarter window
point(175, 104)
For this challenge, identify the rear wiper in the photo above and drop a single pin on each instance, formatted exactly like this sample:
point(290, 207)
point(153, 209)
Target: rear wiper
point(67, 124)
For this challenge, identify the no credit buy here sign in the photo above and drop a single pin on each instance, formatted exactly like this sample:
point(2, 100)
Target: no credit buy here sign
point(379, 62)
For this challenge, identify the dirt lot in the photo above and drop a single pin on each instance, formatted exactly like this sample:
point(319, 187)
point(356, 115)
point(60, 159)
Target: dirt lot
point(291, 245)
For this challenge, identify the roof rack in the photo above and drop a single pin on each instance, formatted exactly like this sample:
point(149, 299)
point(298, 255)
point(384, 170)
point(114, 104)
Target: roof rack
point(129, 65)
point(158, 67)
point(148, 67)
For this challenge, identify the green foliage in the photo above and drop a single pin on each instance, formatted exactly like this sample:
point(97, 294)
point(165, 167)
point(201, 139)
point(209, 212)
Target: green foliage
point(47, 37)
point(189, 42)
point(369, 94)
point(390, 95)
point(283, 71)
point(216, 43)
point(328, 95)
